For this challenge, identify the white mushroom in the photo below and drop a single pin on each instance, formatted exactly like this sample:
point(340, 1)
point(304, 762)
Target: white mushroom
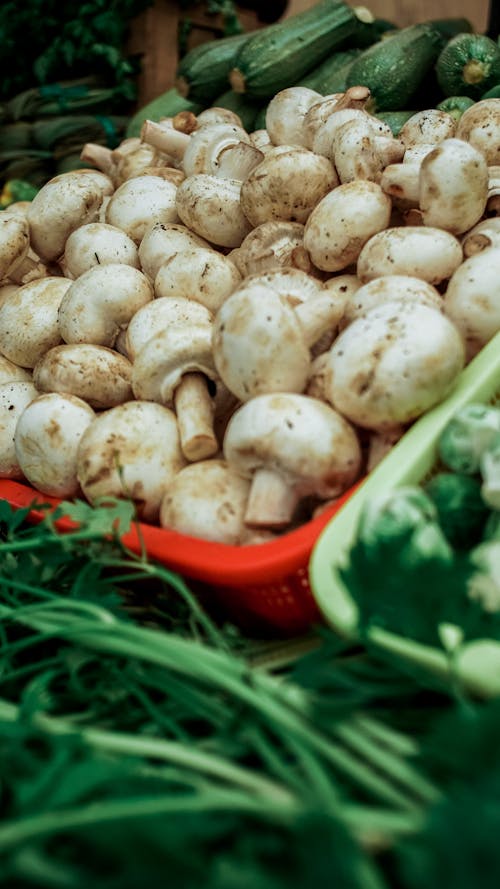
point(161, 241)
point(211, 207)
point(291, 446)
point(271, 245)
point(29, 320)
point(292, 284)
point(480, 126)
point(472, 298)
point(139, 202)
point(10, 372)
point(453, 186)
point(393, 363)
point(285, 115)
point(97, 243)
point(46, 441)
point(197, 273)
point(286, 185)
point(63, 204)
point(208, 500)
point(262, 344)
point(481, 236)
point(323, 118)
point(96, 374)
point(388, 288)
point(14, 241)
point(429, 127)
point(419, 251)
point(173, 368)
point(131, 451)
point(14, 398)
point(218, 149)
point(159, 315)
point(342, 223)
point(101, 302)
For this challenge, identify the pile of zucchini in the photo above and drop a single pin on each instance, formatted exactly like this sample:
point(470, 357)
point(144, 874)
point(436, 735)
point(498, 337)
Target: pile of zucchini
point(330, 47)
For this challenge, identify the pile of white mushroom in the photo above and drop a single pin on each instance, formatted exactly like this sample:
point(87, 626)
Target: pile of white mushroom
point(231, 328)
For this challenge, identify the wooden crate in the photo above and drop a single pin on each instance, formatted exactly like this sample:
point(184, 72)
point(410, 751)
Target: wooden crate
point(154, 34)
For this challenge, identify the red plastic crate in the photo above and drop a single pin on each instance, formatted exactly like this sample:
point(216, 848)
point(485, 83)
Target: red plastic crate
point(266, 584)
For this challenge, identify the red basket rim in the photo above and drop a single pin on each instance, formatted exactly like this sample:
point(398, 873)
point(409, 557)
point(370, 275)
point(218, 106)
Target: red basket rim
point(214, 563)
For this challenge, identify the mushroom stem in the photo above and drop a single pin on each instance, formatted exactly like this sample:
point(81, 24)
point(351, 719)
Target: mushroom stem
point(168, 140)
point(318, 315)
point(237, 161)
point(98, 155)
point(195, 417)
point(271, 502)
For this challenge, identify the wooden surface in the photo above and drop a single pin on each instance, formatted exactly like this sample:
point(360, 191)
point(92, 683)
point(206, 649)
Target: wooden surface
point(154, 32)
point(407, 12)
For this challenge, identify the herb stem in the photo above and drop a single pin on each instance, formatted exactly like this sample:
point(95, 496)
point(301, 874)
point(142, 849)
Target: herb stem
point(258, 691)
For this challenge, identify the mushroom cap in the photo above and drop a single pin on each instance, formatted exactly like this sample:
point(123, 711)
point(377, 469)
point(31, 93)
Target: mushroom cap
point(131, 451)
point(14, 398)
point(138, 202)
point(164, 359)
point(99, 376)
point(472, 299)
point(14, 241)
point(101, 302)
point(286, 185)
point(304, 440)
point(10, 372)
point(294, 285)
point(161, 240)
point(200, 274)
point(268, 246)
point(46, 440)
point(29, 320)
point(159, 315)
point(390, 287)
point(211, 207)
point(97, 243)
point(64, 203)
point(207, 500)
point(392, 364)
point(258, 344)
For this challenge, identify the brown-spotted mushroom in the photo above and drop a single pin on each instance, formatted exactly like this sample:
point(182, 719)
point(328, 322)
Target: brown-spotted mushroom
point(262, 344)
point(208, 500)
point(98, 375)
point(101, 302)
point(174, 368)
point(46, 441)
point(131, 451)
point(291, 447)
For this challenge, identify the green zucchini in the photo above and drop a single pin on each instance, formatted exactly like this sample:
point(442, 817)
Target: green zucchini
point(202, 74)
point(395, 119)
point(394, 67)
point(278, 56)
point(493, 93)
point(330, 76)
point(260, 121)
point(246, 108)
point(468, 65)
point(369, 33)
point(449, 28)
point(168, 104)
point(455, 105)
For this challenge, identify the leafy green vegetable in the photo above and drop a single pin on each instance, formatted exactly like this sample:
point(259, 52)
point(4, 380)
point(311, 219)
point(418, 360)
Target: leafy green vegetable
point(65, 41)
point(402, 572)
point(461, 510)
point(490, 473)
point(467, 436)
